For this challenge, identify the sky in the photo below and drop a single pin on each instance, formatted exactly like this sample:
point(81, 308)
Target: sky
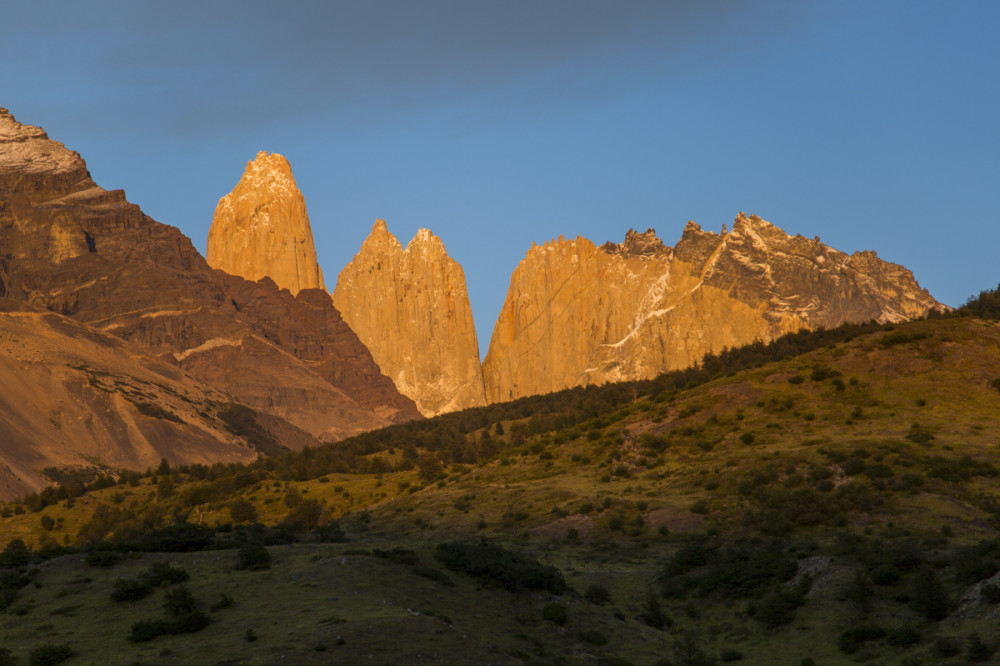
point(872, 124)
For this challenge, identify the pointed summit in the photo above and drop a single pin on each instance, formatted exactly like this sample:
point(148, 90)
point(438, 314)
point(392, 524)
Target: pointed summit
point(261, 228)
point(411, 309)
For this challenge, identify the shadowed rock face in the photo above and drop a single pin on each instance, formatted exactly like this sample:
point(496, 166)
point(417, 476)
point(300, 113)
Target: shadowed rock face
point(261, 228)
point(70, 247)
point(579, 314)
point(411, 309)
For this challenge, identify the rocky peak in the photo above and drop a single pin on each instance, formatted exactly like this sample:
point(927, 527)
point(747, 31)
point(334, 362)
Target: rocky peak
point(578, 317)
point(34, 165)
point(139, 290)
point(262, 228)
point(642, 245)
point(411, 309)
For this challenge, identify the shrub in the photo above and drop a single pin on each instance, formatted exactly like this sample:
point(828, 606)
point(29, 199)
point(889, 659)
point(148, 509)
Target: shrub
point(7, 658)
point(597, 594)
point(130, 589)
point(305, 515)
point(851, 639)
point(777, 607)
point(946, 646)
point(46, 655)
point(554, 612)
point(103, 558)
point(594, 637)
point(435, 575)
point(179, 601)
point(162, 574)
point(146, 630)
point(903, 637)
point(729, 654)
point(976, 651)
point(253, 557)
point(928, 596)
point(510, 570)
point(242, 511)
point(652, 613)
point(399, 555)
point(990, 593)
point(700, 507)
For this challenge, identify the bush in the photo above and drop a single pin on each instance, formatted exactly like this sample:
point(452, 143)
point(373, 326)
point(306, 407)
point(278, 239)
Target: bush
point(593, 637)
point(777, 607)
point(304, 517)
point(46, 655)
point(103, 558)
point(146, 630)
point(904, 637)
point(130, 589)
point(729, 654)
point(555, 613)
point(928, 596)
point(510, 570)
point(435, 575)
point(700, 507)
point(162, 574)
point(7, 658)
point(253, 557)
point(398, 555)
point(597, 594)
point(652, 614)
point(946, 646)
point(976, 651)
point(851, 640)
point(242, 511)
point(990, 593)
point(179, 602)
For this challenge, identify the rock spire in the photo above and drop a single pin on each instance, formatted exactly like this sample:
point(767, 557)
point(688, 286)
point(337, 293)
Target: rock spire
point(261, 228)
point(410, 308)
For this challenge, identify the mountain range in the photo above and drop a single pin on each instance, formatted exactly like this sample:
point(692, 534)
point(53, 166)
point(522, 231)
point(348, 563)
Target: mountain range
point(253, 326)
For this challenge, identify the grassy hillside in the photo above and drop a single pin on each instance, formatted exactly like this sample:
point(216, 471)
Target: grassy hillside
point(833, 496)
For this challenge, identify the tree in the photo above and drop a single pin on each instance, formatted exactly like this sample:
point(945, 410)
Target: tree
point(242, 511)
point(929, 596)
point(429, 467)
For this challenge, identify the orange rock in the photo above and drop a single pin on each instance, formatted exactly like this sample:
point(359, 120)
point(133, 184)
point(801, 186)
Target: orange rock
point(411, 309)
point(576, 314)
point(262, 228)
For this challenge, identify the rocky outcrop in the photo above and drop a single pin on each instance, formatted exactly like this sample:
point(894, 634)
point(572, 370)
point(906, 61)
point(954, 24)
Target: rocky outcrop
point(67, 246)
point(261, 228)
point(579, 314)
point(410, 308)
point(74, 397)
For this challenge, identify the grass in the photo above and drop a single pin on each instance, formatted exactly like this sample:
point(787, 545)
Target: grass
point(607, 501)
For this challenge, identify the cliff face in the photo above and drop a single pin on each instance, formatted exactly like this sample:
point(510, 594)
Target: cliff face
point(67, 246)
point(579, 314)
point(261, 228)
point(411, 309)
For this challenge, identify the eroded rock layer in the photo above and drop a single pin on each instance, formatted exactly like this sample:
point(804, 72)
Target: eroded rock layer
point(70, 247)
point(411, 309)
point(261, 228)
point(579, 314)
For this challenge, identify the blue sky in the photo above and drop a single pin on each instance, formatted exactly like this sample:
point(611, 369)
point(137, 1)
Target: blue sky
point(874, 125)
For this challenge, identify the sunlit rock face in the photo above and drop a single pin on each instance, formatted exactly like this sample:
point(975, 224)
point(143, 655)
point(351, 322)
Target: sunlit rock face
point(579, 314)
point(261, 228)
point(410, 308)
point(69, 247)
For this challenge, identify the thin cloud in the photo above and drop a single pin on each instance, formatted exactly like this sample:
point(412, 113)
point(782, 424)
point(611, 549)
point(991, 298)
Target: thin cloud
point(197, 67)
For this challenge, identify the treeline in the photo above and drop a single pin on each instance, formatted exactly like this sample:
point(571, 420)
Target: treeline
point(985, 306)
